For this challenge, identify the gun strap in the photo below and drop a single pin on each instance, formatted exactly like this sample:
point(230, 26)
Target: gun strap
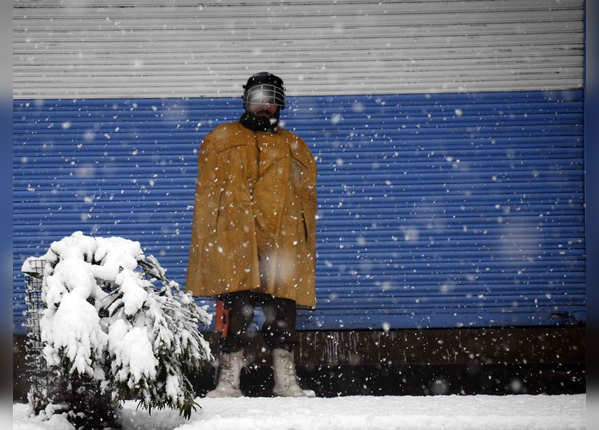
point(221, 322)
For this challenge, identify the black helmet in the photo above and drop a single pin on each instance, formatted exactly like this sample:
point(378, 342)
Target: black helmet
point(264, 88)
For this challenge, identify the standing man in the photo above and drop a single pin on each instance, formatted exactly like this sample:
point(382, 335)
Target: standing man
point(254, 233)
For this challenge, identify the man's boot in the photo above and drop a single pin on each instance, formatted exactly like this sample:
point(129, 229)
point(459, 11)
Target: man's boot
point(286, 384)
point(230, 365)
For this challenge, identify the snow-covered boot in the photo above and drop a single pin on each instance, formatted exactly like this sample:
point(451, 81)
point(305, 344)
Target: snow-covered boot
point(286, 384)
point(230, 365)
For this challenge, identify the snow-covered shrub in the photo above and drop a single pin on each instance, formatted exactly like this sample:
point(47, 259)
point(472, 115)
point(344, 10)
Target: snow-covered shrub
point(106, 322)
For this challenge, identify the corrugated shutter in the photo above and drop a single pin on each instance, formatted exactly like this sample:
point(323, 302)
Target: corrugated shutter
point(451, 210)
point(143, 48)
point(435, 210)
point(447, 196)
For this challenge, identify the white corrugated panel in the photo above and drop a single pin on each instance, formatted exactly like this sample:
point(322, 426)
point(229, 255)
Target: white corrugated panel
point(151, 48)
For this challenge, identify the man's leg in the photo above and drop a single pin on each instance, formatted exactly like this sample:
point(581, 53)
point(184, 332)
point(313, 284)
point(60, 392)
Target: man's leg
point(240, 310)
point(279, 322)
point(240, 307)
point(280, 335)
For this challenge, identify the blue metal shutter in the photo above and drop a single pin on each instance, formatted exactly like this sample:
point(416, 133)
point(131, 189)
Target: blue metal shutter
point(435, 210)
point(441, 203)
point(449, 210)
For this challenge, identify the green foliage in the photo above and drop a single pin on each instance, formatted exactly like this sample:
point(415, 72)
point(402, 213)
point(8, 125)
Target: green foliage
point(161, 318)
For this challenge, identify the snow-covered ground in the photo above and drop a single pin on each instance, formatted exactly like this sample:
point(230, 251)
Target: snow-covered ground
point(516, 412)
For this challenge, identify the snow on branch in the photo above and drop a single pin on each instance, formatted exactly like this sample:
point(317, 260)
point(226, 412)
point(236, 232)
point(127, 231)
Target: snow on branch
point(107, 319)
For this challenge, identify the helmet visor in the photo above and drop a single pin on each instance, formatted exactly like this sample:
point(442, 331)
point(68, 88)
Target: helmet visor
point(265, 94)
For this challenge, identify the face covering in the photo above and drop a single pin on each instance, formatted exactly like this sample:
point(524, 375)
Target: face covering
point(249, 120)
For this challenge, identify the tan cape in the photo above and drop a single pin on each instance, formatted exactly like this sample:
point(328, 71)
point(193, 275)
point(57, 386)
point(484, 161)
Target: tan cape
point(254, 223)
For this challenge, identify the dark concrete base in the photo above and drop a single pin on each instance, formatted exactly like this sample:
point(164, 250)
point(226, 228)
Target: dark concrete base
point(20, 383)
point(506, 360)
point(331, 381)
